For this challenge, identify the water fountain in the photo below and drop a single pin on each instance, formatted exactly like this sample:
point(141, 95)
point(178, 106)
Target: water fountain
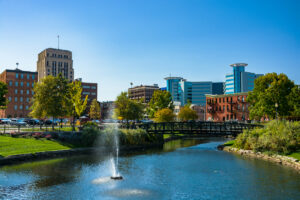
point(115, 162)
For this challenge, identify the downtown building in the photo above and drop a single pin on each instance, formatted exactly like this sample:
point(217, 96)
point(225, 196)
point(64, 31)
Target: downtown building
point(184, 91)
point(20, 91)
point(144, 92)
point(240, 80)
point(90, 89)
point(53, 62)
point(227, 107)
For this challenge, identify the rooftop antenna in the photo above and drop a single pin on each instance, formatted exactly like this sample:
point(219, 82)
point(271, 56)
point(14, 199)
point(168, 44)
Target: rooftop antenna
point(17, 65)
point(57, 41)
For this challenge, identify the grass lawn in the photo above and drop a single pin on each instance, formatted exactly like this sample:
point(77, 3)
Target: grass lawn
point(295, 155)
point(229, 143)
point(14, 146)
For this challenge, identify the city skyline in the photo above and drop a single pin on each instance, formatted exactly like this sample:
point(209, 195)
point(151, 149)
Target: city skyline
point(143, 42)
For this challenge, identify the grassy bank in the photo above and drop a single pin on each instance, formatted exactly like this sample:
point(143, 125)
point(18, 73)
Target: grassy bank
point(14, 146)
point(277, 137)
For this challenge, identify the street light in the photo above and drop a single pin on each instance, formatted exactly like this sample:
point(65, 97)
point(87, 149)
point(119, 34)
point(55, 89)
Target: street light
point(276, 106)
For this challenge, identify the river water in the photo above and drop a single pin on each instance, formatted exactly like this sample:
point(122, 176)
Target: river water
point(184, 169)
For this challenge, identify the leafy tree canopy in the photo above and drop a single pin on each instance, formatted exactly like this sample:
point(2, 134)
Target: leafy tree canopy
point(186, 113)
point(3, 92)
point(160, 99)
point(76, 106)
point(95, 110)
point(164, 115)
point(269, 90)
point(128, 109)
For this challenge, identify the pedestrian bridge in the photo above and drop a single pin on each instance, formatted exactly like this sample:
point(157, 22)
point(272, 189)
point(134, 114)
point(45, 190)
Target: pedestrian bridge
point(196, 128)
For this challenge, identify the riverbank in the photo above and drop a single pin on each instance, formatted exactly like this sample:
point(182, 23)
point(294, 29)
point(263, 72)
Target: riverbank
point(279, 159)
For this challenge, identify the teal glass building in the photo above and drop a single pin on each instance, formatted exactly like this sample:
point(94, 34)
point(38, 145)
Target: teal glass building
point(239, 80)
point(184, 91)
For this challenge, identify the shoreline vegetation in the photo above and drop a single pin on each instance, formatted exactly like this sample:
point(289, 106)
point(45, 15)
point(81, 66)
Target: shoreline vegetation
point(278, 141)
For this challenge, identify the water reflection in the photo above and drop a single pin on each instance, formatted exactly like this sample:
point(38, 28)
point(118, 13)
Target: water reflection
point(183, 169)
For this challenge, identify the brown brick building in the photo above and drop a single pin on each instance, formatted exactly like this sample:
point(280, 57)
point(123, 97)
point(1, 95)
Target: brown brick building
point(227, 107)
point(142, 91)
point(90, 89)
point(55, 61)
point(20, 91)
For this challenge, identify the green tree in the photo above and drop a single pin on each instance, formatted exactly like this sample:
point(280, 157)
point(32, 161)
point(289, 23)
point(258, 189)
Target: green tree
point(127, 109)
point(3, 92)
point(51, 97)
point(186, 113)
point(269, 90)
point(294, 101)
point(160, 99)
point(76, 106)
point(95, 112)
point(164, 115)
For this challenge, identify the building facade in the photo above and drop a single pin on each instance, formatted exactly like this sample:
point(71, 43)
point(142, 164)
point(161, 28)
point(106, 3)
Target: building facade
point(227, 107)
point(185, 91)
point(144, 92)
point(20, 91)
point(240, 80)
point(53, 62)
point(90, 89)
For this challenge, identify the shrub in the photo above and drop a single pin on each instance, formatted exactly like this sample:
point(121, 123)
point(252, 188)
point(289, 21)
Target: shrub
point(277, 136)
point(89, 135)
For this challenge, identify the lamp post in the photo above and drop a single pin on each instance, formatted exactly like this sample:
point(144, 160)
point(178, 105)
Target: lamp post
point(276, 106)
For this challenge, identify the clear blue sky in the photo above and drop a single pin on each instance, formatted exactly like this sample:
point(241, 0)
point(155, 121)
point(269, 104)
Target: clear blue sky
point(143, 41)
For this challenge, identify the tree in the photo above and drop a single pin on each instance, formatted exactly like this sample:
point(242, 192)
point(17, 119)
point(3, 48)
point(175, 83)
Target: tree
point(51, 97)
point(164, 115)
point(95, 110)
point(76, 105)
point(3, 92)
point(127, 109)
point(294, 101)
point(269, 90)
point(160, 99)
point(186, 113)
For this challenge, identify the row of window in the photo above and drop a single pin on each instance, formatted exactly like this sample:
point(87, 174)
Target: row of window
point(22, 76)
point(21, 84)
point(22, 91)
point(21, 99)
point(57, 55)
point(88, 87)
point(88, 93)
point(20, 107)
point(239, 98)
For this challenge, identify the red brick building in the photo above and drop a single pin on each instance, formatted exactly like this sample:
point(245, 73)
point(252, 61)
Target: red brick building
point(20, 91)
point(227, 107)
point(90, 89)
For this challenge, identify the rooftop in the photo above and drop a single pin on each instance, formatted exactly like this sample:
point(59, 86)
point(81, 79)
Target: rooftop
point(239, 65)
point(226, 95)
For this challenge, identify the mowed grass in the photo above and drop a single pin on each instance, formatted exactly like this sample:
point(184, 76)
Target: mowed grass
point(14, 146)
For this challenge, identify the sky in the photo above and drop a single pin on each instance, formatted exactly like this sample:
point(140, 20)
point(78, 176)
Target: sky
point(115, 42)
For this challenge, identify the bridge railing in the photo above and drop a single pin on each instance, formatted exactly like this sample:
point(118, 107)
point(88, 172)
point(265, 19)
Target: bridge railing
point(193, 127)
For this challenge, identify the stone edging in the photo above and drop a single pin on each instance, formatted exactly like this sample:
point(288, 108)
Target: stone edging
point(282, 160)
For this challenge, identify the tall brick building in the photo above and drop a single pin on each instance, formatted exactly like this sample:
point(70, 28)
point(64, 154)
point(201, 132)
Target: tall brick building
point(20, 91)
point(90, 89)
point(227, 107)
point(142, 92)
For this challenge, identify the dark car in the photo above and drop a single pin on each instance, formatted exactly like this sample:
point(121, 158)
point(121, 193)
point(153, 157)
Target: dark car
point(33, 122)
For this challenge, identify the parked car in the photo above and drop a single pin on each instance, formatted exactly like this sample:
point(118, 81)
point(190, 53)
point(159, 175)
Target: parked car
point(49, 122)
point(18, 122)
point(5, 121)
point(33, 122)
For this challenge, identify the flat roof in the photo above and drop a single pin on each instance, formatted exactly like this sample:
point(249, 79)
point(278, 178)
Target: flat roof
point(226, 95)
point(19, 71)
point(239, 64)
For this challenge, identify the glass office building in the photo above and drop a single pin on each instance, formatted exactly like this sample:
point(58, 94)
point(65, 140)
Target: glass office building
point(239, 80)
point(184, 91)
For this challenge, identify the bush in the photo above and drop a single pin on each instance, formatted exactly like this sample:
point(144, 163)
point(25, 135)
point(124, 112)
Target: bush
point(89, 135)
point(277, 136)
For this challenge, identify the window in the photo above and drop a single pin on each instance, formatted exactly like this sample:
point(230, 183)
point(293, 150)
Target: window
point(21, 84)
point(27, 91)
point(33, 76)
point(27, 76)
point(27, 84)
point(21, 99)
point(219, 100)
point(32, 92)
point(223, 108)
point(238, 107)
point(15, 107)
point(17, 75)
point(16, 99)
point(21, 107)
point(10, 83)
point(32, 84)
point(22, 76)
point(243, 108)
point(227, 108)
point(16, 91)
point(243, 99)
point(16, 83)
point(27, 99)
point(93, 87)
point(21, 91)
point(93, 93)
point(9, 99)
point(26, 107)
